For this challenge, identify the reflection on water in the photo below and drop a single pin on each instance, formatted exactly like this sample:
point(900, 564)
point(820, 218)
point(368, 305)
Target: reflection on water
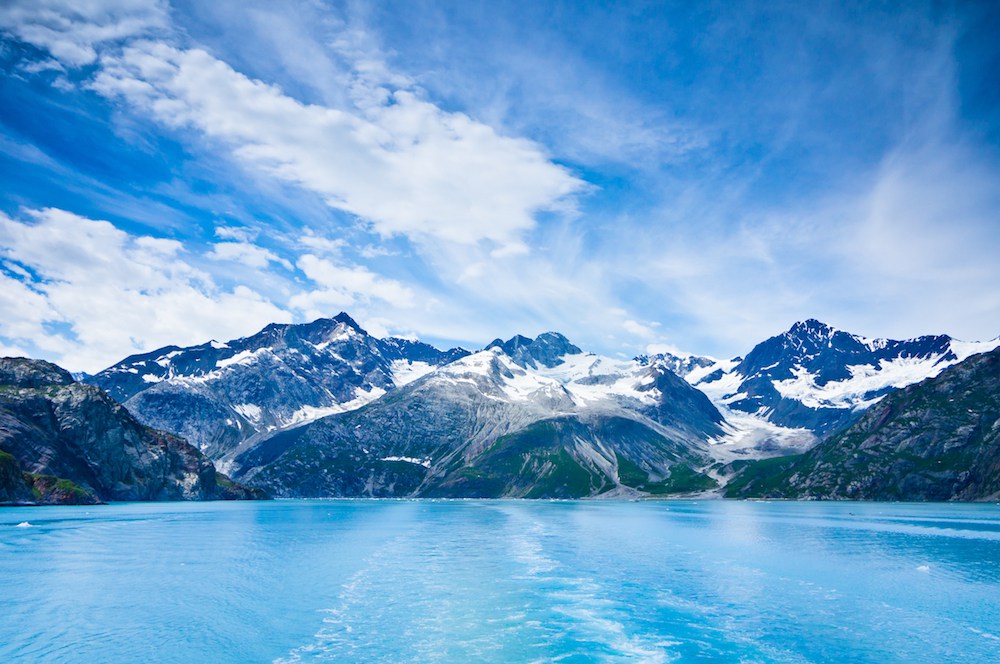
point(501, 581)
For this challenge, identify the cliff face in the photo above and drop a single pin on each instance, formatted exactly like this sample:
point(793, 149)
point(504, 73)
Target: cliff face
point(936, 440)
point(87, 444)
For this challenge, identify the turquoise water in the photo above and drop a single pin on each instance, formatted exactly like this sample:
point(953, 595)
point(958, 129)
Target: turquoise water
point(464, 581)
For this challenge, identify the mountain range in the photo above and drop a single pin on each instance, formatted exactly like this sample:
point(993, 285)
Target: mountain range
point(326, 409)
point(521, 418)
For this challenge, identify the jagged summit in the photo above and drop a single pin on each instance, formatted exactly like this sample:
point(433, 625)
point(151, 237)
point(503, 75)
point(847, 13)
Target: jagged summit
point(219, 394)
point(812, 328)
point(547, 349)
point(342, 317)
point(818, 377)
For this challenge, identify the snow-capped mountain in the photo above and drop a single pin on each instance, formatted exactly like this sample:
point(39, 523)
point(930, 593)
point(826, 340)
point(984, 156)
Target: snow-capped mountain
point(519, 418)
point(936, 440)
point(327, 409)
point(219, 394)
point(819, 378)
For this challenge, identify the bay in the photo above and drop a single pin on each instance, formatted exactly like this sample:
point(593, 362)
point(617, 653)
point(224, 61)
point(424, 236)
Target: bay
point(503, 581)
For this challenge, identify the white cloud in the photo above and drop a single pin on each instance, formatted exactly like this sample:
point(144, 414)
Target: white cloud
point(246, 254)
point(464, 195)
point(322, 244)
point(100, 293)
point(237, 233)
point(638, 329)
point(73, 31)
point(400, 163)
point(342, 287)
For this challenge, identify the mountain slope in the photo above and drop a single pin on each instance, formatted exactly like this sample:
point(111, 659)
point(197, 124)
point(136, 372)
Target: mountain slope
point(818, 378)
point(936, 440)
point(217, 395)
point(564, 418)
point(69, 439)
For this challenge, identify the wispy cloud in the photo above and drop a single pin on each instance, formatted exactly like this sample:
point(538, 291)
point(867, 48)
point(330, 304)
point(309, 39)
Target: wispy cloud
point(247, 254)
point(73, 32)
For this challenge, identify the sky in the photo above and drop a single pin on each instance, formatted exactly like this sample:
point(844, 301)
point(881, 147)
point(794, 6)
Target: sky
point(640, 176)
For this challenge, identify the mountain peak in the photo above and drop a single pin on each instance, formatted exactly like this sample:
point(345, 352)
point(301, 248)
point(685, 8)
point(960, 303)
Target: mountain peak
point(342, 317)
point(546, 349)
point(811, 327)
point(23, 372)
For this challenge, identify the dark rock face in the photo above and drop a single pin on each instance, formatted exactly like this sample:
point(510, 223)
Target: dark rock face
point(547, 349)
point(826, 355)
point(22, 372)
point(680, 403)
point(14, 487)
point(935, 440)
point(74, 439)
point(680, 365)
point(217, 395)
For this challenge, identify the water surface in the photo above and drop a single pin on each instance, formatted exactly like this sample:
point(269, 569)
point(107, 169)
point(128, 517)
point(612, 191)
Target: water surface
point(460, 581)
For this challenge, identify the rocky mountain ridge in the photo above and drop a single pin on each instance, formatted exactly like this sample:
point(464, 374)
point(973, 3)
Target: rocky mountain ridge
point(217, 395)
point(62, 441)
point(935, 440)
point(818, 378)
point(326, 409)
point(521, 418)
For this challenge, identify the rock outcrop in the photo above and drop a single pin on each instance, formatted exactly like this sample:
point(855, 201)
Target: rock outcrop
point(935, 440)
point(73, 443)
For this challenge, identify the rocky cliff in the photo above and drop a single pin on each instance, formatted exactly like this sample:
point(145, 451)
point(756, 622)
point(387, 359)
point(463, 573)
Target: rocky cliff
point(935, 440)
point(69, 442)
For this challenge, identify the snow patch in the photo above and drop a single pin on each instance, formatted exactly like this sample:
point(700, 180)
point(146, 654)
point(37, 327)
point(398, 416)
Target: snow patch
point(308, 414)
point(966, 349)
point(342, 333)
point(426, 463)
point(405, 372)
point(242, 357)
point(251, 412)
point(151, 378)
point(749, 436)
point(164, 361)
point(585, 378)
point(861, 389)
point(695, 376)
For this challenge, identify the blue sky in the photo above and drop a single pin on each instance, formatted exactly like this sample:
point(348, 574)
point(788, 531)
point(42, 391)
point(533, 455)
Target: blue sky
point(638, 176)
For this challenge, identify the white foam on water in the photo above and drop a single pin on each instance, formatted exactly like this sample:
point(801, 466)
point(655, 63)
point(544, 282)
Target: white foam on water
point(583, 600)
